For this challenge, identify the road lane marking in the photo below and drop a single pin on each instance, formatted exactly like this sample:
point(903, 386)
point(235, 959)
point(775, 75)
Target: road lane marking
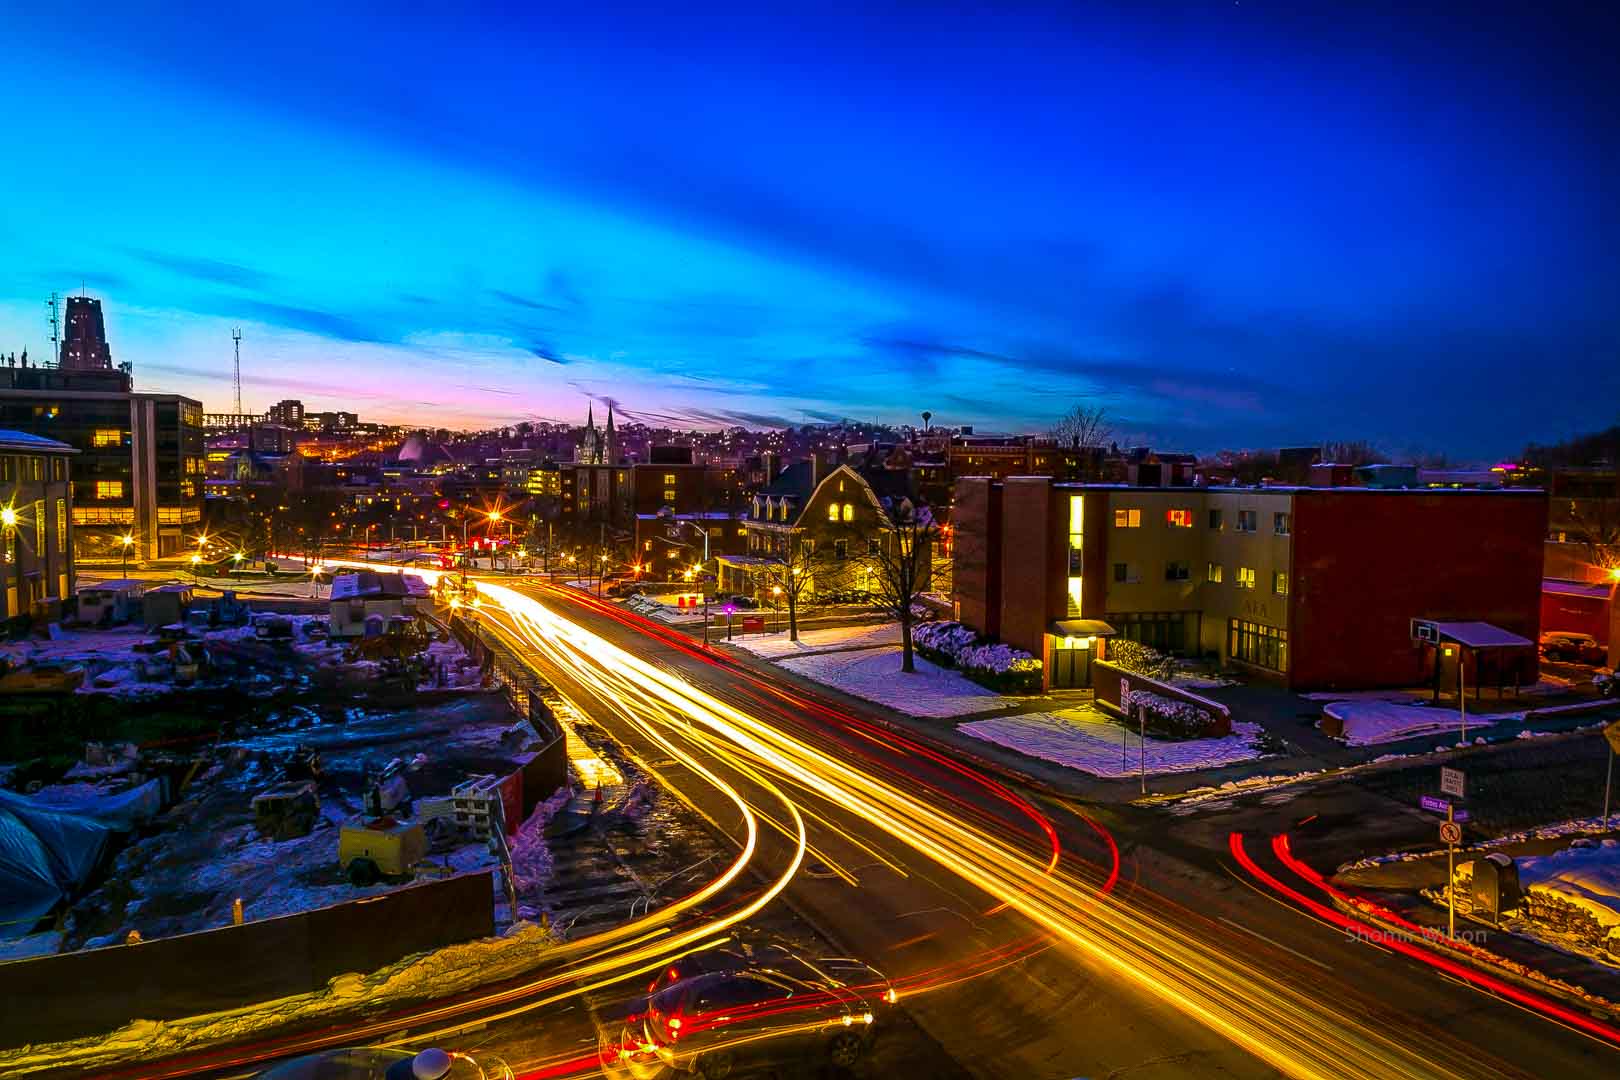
point(1273, 941)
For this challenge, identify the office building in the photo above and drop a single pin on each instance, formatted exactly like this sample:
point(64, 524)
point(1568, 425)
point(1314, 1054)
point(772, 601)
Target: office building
point(35, 523)
point(1313, 587)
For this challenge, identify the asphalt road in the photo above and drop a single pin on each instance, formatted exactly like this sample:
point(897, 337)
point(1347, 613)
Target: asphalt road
point(1071, 1009)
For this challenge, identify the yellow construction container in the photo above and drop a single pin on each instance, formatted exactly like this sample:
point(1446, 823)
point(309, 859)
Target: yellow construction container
point(384, 847)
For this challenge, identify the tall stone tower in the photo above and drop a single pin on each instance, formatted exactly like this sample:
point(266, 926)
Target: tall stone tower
point(84, 339)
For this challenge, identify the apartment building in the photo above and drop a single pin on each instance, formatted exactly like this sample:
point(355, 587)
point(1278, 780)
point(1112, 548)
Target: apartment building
point(1313, 587)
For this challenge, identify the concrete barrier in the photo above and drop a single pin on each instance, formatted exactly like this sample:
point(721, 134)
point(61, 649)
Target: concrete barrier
point(1108, 679)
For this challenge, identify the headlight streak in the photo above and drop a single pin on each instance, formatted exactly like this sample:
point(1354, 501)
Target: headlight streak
point(1268, 1018)
point(1284, 1026)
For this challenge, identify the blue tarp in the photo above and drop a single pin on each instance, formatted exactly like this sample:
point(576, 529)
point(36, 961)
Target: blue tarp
point(47, 853)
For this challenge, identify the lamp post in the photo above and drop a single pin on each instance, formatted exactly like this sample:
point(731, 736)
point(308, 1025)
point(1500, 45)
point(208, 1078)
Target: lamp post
point(776, 608)
point(127, 541)
point(196, 578)
point(600, 570)
point(236, 561)
point(8, 521)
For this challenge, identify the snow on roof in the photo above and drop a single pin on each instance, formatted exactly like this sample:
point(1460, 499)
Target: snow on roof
point(370, 583)
point(1574, 588)
point(24, 440)
point(118, 585)
point(1480, 635)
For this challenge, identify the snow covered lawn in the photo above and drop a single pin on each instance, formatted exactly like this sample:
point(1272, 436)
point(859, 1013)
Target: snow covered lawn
point(1085, 739)
point(774, 645)
point(874, 674)
point(1370, 721)
point(1586, 877)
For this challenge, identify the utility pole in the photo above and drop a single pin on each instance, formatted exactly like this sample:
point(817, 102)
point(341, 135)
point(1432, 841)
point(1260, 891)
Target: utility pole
point(236, 339)
point(56, 346)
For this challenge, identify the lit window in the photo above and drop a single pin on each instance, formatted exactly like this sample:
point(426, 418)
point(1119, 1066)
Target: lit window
point(1127, 519)
point(1179, 519)
point(1245, 577)
point(669, 479)
point(109, 489)
point(669, 495)
point(1281, 523)
point(61, 525)
point(849, 512)
point(1279, 583)
point(832, 511)
point(1214, 573)
point(106, 437)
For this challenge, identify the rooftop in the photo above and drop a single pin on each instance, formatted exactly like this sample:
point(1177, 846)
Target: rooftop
point(22, 440)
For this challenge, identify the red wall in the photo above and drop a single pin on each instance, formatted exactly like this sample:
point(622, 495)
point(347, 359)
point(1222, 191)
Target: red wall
point(976, 556)
point(1034, 567)
point(1366, 563)
point(1581, 614)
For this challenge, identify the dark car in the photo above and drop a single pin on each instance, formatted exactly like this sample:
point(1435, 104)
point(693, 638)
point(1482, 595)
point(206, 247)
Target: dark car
point(736, 955)
point(1572, 648)
point(717, 1024)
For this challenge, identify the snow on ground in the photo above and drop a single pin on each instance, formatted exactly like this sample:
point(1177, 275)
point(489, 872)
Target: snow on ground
point(874, 674)
point(1586, 876)
point(1369, 722)
point(821, 640)
point(531, 858)
point(1085, 739)
point(1404, 697)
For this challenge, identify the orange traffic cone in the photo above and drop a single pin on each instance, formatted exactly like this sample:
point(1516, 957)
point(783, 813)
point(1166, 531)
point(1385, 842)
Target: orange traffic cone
point(596, 800)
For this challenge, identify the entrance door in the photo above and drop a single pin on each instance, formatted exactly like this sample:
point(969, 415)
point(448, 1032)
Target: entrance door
point(1071, 668)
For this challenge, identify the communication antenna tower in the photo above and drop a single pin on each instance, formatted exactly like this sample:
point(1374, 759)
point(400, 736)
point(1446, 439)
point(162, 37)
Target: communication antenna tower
point(236, 339)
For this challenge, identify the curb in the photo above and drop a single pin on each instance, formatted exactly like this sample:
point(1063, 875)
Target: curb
point(1497, 966)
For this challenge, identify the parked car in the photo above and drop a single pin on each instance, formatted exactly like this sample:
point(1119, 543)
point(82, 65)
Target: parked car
point(742, 1006)
point(1570, 647)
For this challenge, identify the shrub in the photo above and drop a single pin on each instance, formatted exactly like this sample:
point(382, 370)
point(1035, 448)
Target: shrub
point(1170, 717)
point(990, 664)
point(1140, 659)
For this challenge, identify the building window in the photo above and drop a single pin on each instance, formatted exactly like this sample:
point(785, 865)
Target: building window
point(669, 479)
point(1179, 519)
point(874, 546)
point(1127, 519)
point(8, 468)
point(840, 549)
point(1279, 583)
point(58, 469)
point(1215, 521)
point(849, 512)
point(109, 489)
point(1245, 577)
point(807, 545)
point(832, 511)
point(1214, 573)
point(669, 495)
point(1177, 571)
point(742, 532)
point(1281, 523)
point(107, 437)
point(1253, 643)
point(1248, 520)
point(39, 528)
point(36, 468)
point(1125, 575)
point(61, 525)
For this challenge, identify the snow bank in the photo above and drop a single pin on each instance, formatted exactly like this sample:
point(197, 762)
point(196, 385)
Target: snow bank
point(422, 977)
point(1083, 739)
point(874, 674)
point(1371, 721)
point(1586, 876)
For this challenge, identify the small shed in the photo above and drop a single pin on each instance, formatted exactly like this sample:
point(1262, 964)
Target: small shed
point(359, 596)
point(166, 604)
point(107, 603)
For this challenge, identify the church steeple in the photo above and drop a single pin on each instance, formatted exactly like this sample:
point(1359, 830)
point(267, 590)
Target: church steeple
point(610, 450)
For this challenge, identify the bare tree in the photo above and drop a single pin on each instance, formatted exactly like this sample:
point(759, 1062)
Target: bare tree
point(899, 555)
point(1084, 427)
point(1352, 452)
point(791, 572)
point(1595, 524)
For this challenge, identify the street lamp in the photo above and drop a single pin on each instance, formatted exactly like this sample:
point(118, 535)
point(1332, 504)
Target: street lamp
point(195, 578)
point(776, 600)
point(8, 521)
point(600, 571)
point(236, 561)
point(127, 541)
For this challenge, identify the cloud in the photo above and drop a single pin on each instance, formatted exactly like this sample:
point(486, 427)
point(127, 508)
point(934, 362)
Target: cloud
point(213, 271)
point(307, 386)
point(546, 352)
point(313, 321)
point(523, 301)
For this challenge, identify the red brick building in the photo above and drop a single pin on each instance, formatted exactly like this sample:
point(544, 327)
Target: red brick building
point(1315, 587)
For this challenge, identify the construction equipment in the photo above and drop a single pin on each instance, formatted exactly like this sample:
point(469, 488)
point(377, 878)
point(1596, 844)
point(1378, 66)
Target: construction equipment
point(385, 847)
point(287, 810)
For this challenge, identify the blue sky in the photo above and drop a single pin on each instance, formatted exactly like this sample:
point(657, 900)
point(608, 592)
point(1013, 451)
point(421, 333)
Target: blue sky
point(1229, 224)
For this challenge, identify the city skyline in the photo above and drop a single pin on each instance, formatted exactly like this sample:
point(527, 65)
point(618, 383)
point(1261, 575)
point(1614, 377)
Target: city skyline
point(716, 222)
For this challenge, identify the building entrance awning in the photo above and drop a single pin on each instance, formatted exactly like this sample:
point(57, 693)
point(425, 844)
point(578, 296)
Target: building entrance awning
point(1480, 635)
point(1081, 628)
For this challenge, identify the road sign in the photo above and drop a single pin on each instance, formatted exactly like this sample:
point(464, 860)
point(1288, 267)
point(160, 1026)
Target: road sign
point(1441, 806)
point(1611, 731)
point(1451, 781)
point(1450, 832)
